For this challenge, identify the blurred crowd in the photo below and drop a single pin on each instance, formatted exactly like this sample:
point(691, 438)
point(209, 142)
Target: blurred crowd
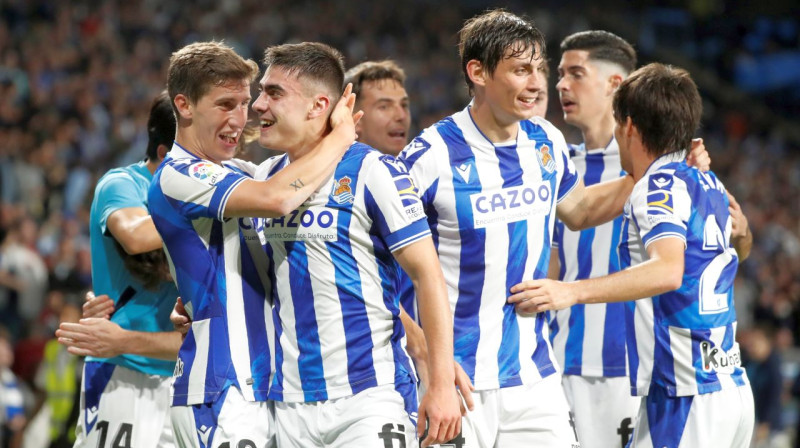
point(76, 80)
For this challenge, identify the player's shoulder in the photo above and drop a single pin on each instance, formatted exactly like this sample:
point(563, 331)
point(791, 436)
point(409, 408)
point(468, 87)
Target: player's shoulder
point(122, 177)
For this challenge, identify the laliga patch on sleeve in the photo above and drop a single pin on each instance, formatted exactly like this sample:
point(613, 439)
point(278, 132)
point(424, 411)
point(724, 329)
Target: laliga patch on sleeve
point(207, 172)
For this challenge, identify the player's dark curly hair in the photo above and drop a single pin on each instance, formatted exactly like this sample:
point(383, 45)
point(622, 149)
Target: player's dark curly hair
point(150, 268)
point(160, 125)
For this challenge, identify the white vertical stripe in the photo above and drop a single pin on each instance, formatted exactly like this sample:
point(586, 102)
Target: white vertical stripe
point(237, 327)
point(680, 345)
point(288, 339)
point(197, 375)
point(645, 343)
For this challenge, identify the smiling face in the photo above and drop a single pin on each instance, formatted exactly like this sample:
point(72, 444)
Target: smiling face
point(283, 107)
point(217, 120)
point(584, 88)
point(512, 90)
point(387, 120)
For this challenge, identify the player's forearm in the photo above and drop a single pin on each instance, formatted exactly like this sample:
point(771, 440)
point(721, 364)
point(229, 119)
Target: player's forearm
point(653, 277)
point(415, 337)
point(743, 244)
point(134, 230)
point(606, 200)
point(437, 324)
point(161, 345)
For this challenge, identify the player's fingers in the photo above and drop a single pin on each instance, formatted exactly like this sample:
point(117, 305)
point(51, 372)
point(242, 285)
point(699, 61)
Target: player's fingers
point(422, 421)
point(89, 296)
point(357, 116)
point(433, 433)
point(348, 89)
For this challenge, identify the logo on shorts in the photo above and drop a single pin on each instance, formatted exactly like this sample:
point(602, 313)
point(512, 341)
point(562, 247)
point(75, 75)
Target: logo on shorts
point(204, 431)
point(91, 418)
point(342, 193)
point(388, 434)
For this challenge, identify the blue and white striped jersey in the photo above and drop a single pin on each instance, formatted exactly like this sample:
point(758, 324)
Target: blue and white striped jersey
point(335, 279)
point(589, 340)
point(683, 341)
point(220, 269)
point(491, 209)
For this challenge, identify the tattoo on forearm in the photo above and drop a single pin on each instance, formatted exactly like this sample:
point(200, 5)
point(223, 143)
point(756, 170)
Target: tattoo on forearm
point(298, 184)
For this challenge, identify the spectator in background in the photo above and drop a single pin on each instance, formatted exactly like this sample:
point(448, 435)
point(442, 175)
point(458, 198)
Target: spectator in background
point(763, 365)
point(12, 412)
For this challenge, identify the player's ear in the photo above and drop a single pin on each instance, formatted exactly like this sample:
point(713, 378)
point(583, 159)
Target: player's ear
point(614, 82)
point(476, 72)
point(183, 105)
point(162, 151)
point(321, 106)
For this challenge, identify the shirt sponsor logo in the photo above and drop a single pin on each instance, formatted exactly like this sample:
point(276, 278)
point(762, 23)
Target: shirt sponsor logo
point(312, 223)
point(510, 204)
point(716, 360)
point(342, 192)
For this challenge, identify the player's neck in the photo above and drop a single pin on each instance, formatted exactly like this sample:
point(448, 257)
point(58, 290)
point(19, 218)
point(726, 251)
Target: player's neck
point(599, 133)
point(308, 142)
point(641, 162)
point(495, 128)
point(152, 165)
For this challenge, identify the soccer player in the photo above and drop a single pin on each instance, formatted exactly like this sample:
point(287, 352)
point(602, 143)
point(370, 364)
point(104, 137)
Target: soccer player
point(201, 204)
point(380, 92)
point(589, 340)
point(491, 178)
point(119, 228)
point(677, 260)
point(340, 351)
point(542, 99)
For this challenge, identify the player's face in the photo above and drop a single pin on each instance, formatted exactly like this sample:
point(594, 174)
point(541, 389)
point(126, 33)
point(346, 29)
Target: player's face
point(583, 89)
point(511, 91)
point(387, 120)
point(218, 119)
point(540, 110)
point(283, 107)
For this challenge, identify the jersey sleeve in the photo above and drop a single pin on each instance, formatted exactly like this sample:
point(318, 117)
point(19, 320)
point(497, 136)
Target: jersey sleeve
point(200, 189)
point(569, 174)
point(415, 156)
point(116, 192)
point(661, 206)
point(392, 202)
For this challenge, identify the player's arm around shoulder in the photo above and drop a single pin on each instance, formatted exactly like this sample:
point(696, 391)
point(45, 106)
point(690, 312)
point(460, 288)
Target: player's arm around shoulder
point(587, 207)
point(291, 186)
point(134, 230)
point(741, 237)
point(440, 406)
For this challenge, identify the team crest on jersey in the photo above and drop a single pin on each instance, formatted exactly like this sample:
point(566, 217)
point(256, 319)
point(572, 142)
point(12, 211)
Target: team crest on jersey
point(545, 156)
point(342, 192)
point(207, 172)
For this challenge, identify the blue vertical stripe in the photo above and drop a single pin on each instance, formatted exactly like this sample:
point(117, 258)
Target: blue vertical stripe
point(508, 354)
point(358, 338)
point(254, 297)
point(276, 388)
point(473, 246)
point(541, 355)
point(309, 360)
point(613, 343)
point(664, 376)
point(630, 340)
point(667, 417)
point(573, 355)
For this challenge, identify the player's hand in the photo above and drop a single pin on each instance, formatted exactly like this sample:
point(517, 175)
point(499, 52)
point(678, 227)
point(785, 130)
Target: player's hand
point(534, 296)
point(698, 157)
point(465, 388)
point(180, 319)
point(342, 116)
point(740, 226)
point(100, 306)
point(441, 411)
point(93, 336)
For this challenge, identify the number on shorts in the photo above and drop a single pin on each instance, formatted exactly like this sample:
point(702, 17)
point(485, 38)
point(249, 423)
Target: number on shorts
point(244, 443)
point(121, 440)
